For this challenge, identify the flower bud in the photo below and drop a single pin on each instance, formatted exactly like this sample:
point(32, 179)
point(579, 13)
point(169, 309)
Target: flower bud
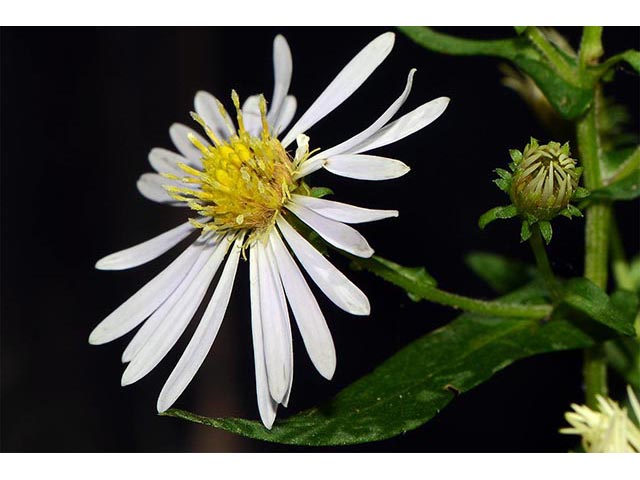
point(544, 180)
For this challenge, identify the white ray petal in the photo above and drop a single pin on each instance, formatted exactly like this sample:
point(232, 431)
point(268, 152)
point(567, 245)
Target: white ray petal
point(337, 234)
point(150, 186)
point(348, 81)
point(366, 167)
point(345, 146)
point(146, 300)
point(251, 115)
point(287, 111)
point(146, 251)
point(267, 406)
point(404, 126)
point(282, 72)
point(180, 136)
point(206, 106)
point(153, 322)
point(313, 327)
point(166, 161)
point(342, 212)
point(276, 330)
point(204, 336)
point(287, 336)
point(338, 288)
point(167, 333)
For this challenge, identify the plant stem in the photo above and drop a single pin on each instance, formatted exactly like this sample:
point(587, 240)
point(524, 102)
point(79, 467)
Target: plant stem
point(590, 46)
point(598, 214)
point(559, 63)
point(537, 245)
point(428, 291)
point(501, 309)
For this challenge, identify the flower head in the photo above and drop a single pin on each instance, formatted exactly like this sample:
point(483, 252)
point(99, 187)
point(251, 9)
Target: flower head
point(544, 180)
point(247, 190)
point(541, 184)
point(608, 429)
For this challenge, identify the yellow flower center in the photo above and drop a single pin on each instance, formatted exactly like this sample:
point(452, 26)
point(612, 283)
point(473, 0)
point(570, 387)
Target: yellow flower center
point(245, 180)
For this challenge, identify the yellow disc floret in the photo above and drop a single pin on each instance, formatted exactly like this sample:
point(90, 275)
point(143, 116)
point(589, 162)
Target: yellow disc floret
point(245, 180)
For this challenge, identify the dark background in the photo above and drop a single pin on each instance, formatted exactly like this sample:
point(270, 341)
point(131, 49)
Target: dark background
point(81, 108)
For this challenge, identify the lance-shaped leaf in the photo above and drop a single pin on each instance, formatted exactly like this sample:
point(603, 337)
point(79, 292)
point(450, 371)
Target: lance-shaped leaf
point(569, 99)
point(413, 385)
point(497, 213)
point(617, 312)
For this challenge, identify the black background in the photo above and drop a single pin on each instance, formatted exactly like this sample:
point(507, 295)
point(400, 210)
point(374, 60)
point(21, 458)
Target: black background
point(81, 108)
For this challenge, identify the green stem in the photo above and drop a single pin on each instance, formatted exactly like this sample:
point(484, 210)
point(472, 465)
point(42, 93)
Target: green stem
point(596, 266)
point(598, 214)
point(590, 46)
point(501, 309)
point(426, 290)
point(537, 245)
point(557, 61)
point(594, 371)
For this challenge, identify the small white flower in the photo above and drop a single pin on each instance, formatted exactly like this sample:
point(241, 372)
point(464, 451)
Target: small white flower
point(607, 430)
point(246, 190)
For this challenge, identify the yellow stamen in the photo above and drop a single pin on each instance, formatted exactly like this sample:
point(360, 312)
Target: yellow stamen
point(244, 181)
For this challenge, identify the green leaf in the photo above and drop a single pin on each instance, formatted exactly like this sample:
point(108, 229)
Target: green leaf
point(631, 57)
point(519, 30)
point(570, 211)
point(627, 188)
point(405, 277)
point(501, 273)
point(516, 155)
point(623, 355)
point(580, 193)
point(546, 230)
point(617, 312)
point(616, 162)
point(497, 213)
point(416, 383)
point(319, 192)
point(569, 100)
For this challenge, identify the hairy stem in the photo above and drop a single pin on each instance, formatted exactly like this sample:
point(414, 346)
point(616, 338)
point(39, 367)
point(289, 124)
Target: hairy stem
point(474, 305)
point(426, 290)
point(598, 214)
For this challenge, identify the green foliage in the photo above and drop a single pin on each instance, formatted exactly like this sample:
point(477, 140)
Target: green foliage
point(569, 98)
point(319, 192)
point(627, 188)
point(631, 57)
point(412, 386)
point(546, 230)
point(616, 162)
point(502, 274)
point(497, 213)
point(617, 312)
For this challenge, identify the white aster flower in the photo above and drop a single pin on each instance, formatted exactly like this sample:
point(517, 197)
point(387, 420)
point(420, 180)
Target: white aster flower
point(246, 187)
point(607, 430)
